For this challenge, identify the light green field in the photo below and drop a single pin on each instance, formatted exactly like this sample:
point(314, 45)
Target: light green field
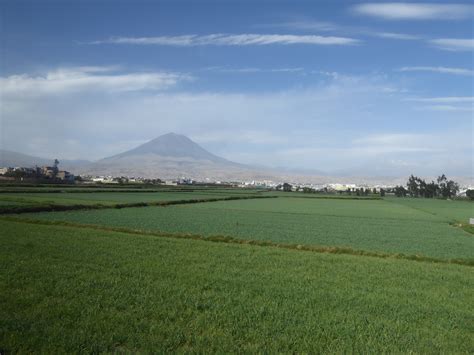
point(379, 226)
point(449, 210)
point(69, 290)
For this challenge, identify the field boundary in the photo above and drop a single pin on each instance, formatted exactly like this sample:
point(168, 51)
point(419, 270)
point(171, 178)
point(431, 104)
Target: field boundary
point(115, 190)
point(261, 243)
point(335, 197)
point(468, 228)
point(58, 207)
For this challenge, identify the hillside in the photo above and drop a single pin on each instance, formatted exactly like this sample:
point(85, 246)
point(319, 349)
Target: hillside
point(12, 159)
point(171, 156)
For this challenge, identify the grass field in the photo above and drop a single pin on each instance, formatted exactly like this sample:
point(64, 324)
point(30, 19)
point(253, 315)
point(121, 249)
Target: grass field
point(45, 200)
point(331, 280)
point(449, 210)
point(363, 225)
point(106, 197)
point(77, 290)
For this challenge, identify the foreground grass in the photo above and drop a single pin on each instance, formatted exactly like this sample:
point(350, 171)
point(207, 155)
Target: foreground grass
point(78, 290)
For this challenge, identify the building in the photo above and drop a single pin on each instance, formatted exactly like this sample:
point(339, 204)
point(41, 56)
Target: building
point(64, 175)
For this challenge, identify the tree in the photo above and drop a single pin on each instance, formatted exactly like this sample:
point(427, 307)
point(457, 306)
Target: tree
point(55, 168)
point(470, 194)
point(443, 185)
point(286, 187)
point(382, 192)
point(412, 186)
point(431, 190)
point(452, 188)
point(447, 188)
point(400, 191)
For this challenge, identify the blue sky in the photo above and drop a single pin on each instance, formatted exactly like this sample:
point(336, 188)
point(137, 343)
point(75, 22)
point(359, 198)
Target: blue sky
point(363, 88)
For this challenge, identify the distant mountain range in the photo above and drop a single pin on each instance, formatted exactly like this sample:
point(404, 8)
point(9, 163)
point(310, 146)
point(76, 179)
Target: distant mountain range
point(14, 159)
point(169, 156)
point(172, 156)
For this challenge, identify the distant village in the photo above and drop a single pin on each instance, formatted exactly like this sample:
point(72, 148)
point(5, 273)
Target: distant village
point(37, 174)
point(53, 174)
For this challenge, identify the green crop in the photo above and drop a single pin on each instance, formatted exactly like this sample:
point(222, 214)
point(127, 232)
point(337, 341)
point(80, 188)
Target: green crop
point(70, 290)
point(378, 226)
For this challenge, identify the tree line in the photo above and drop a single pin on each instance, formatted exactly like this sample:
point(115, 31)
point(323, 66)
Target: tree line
point(417, 187)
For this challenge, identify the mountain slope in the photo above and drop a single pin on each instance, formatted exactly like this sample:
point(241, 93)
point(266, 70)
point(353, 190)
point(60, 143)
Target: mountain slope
point(13, 159)
point(173, 145)
point(169, 156)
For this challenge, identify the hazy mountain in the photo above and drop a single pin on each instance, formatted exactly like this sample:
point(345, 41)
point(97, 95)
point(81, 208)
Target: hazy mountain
point(171, 156)
point(13, 159)
point(173, 145)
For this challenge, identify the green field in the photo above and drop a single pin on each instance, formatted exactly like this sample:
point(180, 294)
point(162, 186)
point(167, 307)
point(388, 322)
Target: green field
point(372, 225)
point(336, 275)
point(108, 198)
point(77, 290)
point(449, 210)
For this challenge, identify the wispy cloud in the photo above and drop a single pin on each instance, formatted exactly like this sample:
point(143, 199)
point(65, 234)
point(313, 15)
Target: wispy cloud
point(231, 40)
point(88, 79)
point(251, 70)
point(312, 25)
point(393, 35)
point(415, 11)
point(445, 104)
point(446, 99)
point(393, 142)
point(306, 126)
point(454, 44)
point(448, 108)
point(307, 25)
point(442, 70)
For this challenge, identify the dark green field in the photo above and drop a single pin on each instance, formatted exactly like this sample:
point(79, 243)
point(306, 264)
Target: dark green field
point(105, 198)
point(336, 276)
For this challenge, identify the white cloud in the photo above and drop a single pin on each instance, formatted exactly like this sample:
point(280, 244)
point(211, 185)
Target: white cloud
point(232, 40)
point(447, 108)
point(447, 99)
point(415, 11)
point(307, 25)
point(241, 136)
point(445, 104)
point(254, 70)
point(389, 139)
point(312, 127)
point(311, 25)
point(392, 35)
point(453, 44)
point(87, 79)
point(443, 70)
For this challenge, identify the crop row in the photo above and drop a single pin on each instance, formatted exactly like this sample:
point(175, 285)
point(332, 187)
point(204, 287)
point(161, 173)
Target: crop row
point(47, 207)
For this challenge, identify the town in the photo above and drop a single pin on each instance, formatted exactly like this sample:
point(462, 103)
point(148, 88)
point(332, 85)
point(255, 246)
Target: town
point(53, 175)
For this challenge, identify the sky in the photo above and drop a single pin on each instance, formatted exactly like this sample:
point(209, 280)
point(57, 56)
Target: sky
point(343, 87)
